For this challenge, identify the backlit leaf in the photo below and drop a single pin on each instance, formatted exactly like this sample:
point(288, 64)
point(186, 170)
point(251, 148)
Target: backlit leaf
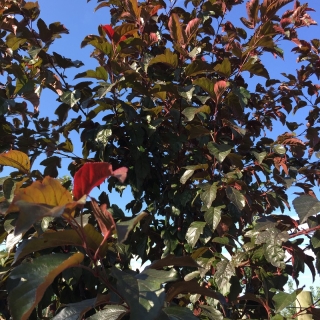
point(92, 174)
point(15, 159)
point(35, 277)
point(100, 73)
point(175, 29)
point(49, 191)
point(224, 272)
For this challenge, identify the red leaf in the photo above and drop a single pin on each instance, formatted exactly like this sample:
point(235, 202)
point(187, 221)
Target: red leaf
point(108, 30)
point(92, 174)
point(219, 89)
point(121, 174)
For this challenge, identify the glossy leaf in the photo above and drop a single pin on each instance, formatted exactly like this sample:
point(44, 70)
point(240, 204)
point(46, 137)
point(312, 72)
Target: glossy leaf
point(34, 278)
point(194, 232)
point(236, 197)
point(219, 151)
point(110, 312)
point(212, 217)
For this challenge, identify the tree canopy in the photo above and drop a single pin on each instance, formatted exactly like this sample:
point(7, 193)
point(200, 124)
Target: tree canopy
point(171, 112)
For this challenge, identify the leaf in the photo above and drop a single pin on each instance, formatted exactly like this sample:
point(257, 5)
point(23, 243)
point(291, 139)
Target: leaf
point(171, 260)
point(194, 231)
point(224, 272)
point(71, 97)
point(190, 112)
point(92, 174)
point(122, 31)
point(259, 156)
point(224, 68)
point(100, 74)
point(280, 149)
point(15, 159)
point(110, 312)
point(256, 67)
point(169, 58)
point(213, 216)
point(283, 299)
point(186, 175)
point(196, 67)
point(175, 28)
point(211, 312)
point(306, 206)
point(144, 293)
point(209, 194)
point(105, 220)
point(192, 28)
point(51, 239)
point(191, 287)
point(124, 227)
point(315, 240)
point(252, 11)
point(219, 151)
point(275, 255)
point(236, 197)
point(49, 191)
point(75, 311)
point(35, 277)
point(207, 85)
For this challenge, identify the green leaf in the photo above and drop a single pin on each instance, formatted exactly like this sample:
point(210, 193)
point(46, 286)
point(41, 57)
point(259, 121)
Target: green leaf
point(209, 194)
point(144, 292)
point(213, 216)
point(236, 197)
point(259, 156)
point(196, 67)
point(275, 255)
point(110, 312)
point(35, 277)
point(169, 58)
point(220, 151)
point(306, 206)
point(224, 68)
point(280, 149)
point(186, 175)
point(256, 67)
point(75, 311)
point(61, 238)
point(124, 227)
point(71, 97)
point(315, 240)
point(207, 85)
point(190, 112)
point(194, 231)
point(283, 299)
point(224, 272)
point(100, 74)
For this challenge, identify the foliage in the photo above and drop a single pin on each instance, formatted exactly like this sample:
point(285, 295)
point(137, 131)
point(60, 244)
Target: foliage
point(170, 112)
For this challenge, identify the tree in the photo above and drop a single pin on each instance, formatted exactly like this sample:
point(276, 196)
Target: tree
point(169, 112)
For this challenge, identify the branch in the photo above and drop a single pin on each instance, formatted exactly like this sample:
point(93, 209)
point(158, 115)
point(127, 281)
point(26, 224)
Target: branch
point(304, 231)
